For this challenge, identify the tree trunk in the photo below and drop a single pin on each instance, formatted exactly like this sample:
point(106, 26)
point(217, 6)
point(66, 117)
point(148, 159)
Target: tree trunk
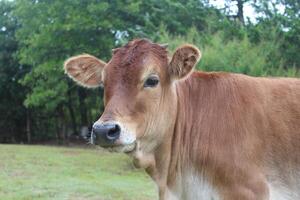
point(63, 129)
point(71, 111)
point(28, 126)
point(82, 106)
point(240, 14)
point(57, 127)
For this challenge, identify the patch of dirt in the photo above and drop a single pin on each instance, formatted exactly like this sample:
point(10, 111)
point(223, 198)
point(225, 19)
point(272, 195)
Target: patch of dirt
point(76, 143)
point(2, 166)
point(81, 197)
point(19, 173)
point(71, 153)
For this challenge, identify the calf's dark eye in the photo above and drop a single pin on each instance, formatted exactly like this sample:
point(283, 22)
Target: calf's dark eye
point(151, 81)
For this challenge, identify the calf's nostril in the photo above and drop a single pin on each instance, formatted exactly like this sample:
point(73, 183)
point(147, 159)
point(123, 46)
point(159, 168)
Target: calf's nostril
point(114, 132)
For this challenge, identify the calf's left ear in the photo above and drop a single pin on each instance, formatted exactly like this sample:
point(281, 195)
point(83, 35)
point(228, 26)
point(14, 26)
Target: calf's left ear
point(183, 61)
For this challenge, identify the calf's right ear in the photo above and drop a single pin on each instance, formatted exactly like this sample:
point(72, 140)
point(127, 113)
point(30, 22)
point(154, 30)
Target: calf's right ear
point(183, 61)
point(86, 70)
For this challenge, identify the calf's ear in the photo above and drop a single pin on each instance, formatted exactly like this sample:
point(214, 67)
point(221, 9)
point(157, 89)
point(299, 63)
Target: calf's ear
point(183, 61)
point(85, 69)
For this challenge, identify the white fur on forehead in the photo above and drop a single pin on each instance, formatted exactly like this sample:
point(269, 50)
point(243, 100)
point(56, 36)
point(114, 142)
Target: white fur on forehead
point(86, 70)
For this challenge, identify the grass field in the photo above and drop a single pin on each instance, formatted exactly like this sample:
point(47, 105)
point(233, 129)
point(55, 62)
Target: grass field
point(41, 172)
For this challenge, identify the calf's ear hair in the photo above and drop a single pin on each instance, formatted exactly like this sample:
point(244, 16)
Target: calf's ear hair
point(183, 61)
point(86, 70)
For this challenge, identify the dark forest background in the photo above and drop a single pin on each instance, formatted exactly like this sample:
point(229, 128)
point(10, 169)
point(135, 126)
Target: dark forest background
point(38, 102)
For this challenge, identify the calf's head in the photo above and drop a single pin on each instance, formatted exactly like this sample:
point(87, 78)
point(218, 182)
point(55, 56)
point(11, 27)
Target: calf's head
point(139, 92)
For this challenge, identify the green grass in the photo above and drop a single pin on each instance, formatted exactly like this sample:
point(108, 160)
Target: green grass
point(41, 172)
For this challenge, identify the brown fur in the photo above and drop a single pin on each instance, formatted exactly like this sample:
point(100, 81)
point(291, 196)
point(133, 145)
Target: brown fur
point(237, 131)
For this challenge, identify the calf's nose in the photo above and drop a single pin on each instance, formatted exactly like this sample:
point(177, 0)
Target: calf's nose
point(105, 134)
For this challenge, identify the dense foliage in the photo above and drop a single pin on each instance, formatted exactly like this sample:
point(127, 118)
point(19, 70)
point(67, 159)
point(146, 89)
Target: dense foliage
point(39, 102)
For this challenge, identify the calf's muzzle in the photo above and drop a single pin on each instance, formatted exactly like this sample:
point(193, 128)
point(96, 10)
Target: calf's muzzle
point(105, 134)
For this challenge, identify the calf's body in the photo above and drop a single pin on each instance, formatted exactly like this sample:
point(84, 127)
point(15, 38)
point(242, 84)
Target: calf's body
point(237, 137)
point(206, 136)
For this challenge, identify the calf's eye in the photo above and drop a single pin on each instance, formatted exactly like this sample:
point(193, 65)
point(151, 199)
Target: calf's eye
point(151, 81)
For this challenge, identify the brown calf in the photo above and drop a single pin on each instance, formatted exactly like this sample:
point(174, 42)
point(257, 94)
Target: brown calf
point(220, 136)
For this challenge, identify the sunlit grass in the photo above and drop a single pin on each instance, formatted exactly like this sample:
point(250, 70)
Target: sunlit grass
point(40, 172)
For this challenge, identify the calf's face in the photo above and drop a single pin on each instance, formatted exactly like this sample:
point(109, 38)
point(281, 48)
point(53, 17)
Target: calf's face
point(139, 92)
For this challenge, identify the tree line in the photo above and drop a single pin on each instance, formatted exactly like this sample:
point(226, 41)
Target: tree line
point(38, 102)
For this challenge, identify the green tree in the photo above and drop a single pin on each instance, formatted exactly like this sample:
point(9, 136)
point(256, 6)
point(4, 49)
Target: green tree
point(12, 111)
point(283, 16)
point(37, 36)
